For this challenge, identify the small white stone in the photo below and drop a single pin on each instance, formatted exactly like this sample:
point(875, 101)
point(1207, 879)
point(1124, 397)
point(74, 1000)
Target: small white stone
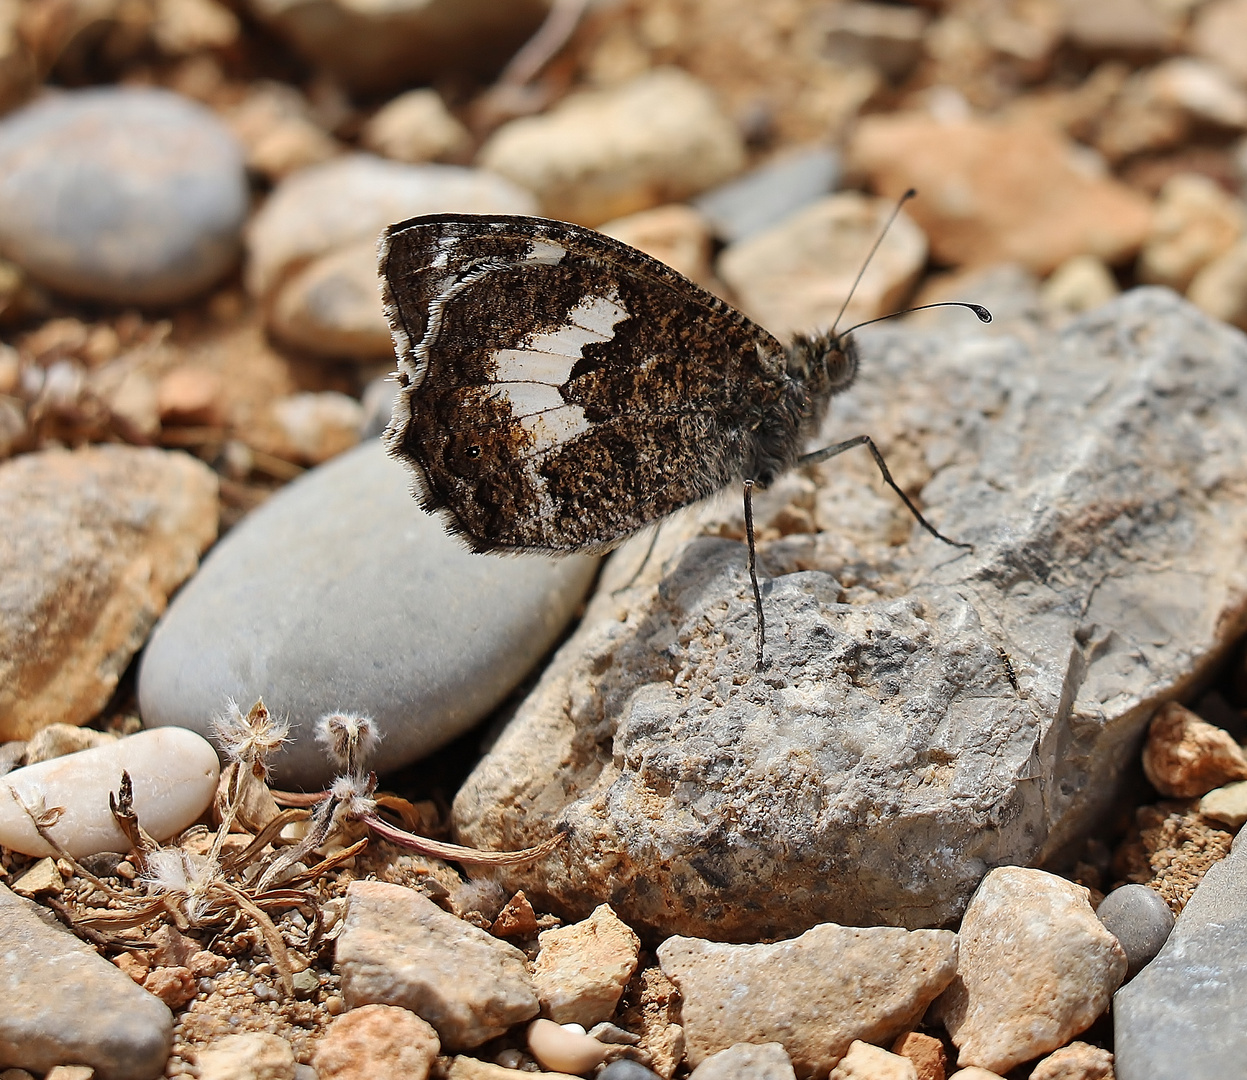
point(559, 1048)
point(174, 772)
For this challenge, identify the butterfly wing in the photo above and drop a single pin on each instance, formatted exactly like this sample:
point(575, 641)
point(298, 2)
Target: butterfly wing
point(560, 390)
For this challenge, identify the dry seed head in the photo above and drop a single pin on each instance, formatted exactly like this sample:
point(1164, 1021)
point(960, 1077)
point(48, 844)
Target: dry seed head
point(349, 739)
point(250, 739)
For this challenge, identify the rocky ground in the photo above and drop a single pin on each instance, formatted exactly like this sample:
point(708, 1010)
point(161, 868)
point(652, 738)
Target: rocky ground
point(946, 830)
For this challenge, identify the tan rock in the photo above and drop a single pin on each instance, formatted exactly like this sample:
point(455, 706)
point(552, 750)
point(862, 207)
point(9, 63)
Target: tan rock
point(814, 994)
point(415, 126)
point(256, 1055)
point(653, 1012)
point(331, 308)
point(399, 948)
point(797, 274)
point(993, 192)
point(582, 969)
point(376, 1041)
point(746, 1061)
point(1078, 1061)
point(1226, 804)
point(64, 1072)
point(57, 740)
point(273, 122)
point(1201, 89)
point(1132, 25)
point(926, 1052)
point(311, 427)
point(1185, 756)
point(1220, 288)
point(42, 879)
point(175, 986)
point(1195, 222)
point(975, 1073)
point(516, 919)
point(1218, 32)
point(190, 394)
point(182, 27)
point(604, 153)
point(1035, 968)
point(675, 234)
point(867, 1062)
point(470, 1068)
point(1079, 284)
point(96, 541)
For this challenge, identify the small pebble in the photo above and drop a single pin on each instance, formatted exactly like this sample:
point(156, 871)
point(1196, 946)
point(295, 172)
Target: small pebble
point(414, 127)
point(626, 1069)
point(1141, 922)
point(174, 773)
point(1227, 804)
point(564, 1048)
point(770, 193)
point(1185, 756)
point(865, 1061)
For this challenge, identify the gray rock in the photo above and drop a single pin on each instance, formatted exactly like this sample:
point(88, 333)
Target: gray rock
point(884, 759)
point(66, 1004)
point(399, 948)
point(768, 194)
point(1140, 920)
point(130, 195)
point(1180, 1018)
point(376, 47)
point(340, 593)
point(94, 542)
point(813, 994)
point(746, 1061)
point(1034, 968)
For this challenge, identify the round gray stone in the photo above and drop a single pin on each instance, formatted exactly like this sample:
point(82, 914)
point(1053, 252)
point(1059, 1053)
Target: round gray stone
point(341, 594)
point(129, 195)
point(623, 1069)
point(1140, 920)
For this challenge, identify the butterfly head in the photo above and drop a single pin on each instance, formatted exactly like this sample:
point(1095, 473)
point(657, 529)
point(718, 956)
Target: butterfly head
point(824, 363)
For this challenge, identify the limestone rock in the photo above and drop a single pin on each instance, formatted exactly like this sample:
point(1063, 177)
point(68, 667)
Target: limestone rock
point(581, 971)
point(96, 540)
point(867, 1062)
point(1195, 222)
point(399, 948)
point(992, 192)
point(1035, 968)
point(601, 154)
point(255, 1055)
point(1096, 472)
point(1078, 1061)
point(814, 994)
point(414, 127)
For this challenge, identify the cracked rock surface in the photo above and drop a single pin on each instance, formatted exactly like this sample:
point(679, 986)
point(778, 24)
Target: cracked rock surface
point(925, 712)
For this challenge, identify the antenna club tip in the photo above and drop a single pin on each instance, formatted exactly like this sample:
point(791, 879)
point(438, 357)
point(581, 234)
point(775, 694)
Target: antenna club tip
point(910, 193)
point(984, 315)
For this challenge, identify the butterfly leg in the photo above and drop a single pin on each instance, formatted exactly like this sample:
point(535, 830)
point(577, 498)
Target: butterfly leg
point(866, 440)
point(753, 572)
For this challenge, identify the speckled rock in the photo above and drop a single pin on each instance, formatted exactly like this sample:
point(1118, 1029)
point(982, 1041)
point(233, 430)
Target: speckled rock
point(375, 1041)
point(399, 948)
point(796, 275)
point(376, 47)
point(125, 194)
point(814, 994)
point(1078, 1061)
point(1035, 968)
point(1178, 1019)
point(1185, 756)
point(867, 1062)
point(64, 1002)
point(340, 593)
point(851, 781)
point(96, 540)
point(600, 154)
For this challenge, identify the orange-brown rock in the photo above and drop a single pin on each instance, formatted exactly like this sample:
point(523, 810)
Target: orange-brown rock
point(1185, 756)
point(993, 192)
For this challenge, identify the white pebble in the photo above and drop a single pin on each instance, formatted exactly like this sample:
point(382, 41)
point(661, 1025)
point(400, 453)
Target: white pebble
point(174, 772)
point(564, 1050)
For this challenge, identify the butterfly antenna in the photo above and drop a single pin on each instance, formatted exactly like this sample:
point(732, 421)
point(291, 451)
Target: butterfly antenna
point(983, 314)
point(866, 262)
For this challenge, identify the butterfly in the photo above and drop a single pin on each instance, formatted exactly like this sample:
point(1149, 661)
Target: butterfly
point(558, 390)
